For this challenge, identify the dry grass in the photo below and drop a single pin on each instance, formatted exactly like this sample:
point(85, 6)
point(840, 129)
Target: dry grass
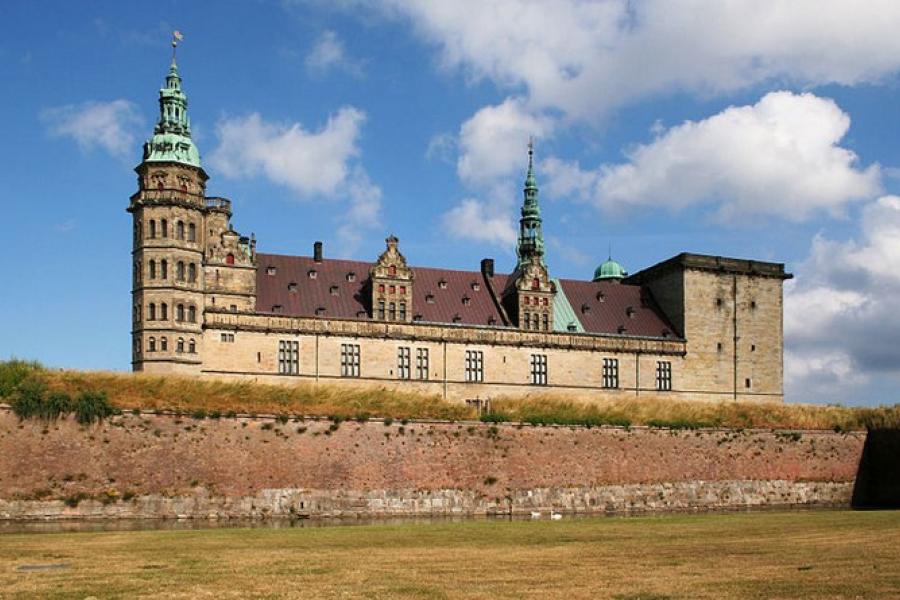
point(821, 555)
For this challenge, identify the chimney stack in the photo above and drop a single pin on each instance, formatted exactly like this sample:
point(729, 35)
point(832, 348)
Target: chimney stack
point(317, 252)
point(487, 267)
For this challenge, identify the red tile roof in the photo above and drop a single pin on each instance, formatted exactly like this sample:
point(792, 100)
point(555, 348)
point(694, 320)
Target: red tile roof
point(339, 289)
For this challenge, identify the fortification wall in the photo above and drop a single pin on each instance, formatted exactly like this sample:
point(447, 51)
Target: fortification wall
point(165, 466)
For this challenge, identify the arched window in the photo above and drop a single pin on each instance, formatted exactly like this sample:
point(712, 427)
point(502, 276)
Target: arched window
point(163, 269)
point(192, 347)
point(152, 231)
point(392, 270)
point(163, 343)
point(159, 185)
point(151, 344)
point(152, 269)
point(192, 272)
point(179, 230)
point(164, 312)
point(535, 284)
point(137, 312)
point(229, 260)
point(192, 314)
point(164, 227)
point(179, 312)
point(137, 271)
point(179, 345)
point(137, 231)
point(192, 232)
point(151, 312)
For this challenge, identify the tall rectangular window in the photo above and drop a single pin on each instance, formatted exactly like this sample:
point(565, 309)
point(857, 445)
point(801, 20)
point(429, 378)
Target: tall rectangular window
point(349, 360)
point(403, 363)
point(664, 376)
point(422, 363)
point(611, 373)
point(381, 310)
point(546, 319)
point(474, 365)
point(288, 357)
point(538, 369)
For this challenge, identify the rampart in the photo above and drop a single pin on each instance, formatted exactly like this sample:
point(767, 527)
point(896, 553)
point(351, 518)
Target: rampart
point(166, 466)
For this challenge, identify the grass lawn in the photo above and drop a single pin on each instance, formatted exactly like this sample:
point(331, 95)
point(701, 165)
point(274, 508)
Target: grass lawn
point(822, 554)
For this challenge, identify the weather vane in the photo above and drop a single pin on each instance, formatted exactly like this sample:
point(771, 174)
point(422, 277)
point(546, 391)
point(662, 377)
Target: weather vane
point(176, 37)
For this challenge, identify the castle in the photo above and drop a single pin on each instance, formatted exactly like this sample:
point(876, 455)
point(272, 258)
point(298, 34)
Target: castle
point(205, 302)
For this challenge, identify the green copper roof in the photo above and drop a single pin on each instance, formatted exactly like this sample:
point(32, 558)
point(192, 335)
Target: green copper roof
point(610, 269)
point(531, 236)
point(171, 141)
point(564, 317)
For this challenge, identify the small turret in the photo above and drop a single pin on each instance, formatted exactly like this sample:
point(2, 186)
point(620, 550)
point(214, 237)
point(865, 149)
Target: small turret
point(531, 236)
point(171, 141)
point(610, 270)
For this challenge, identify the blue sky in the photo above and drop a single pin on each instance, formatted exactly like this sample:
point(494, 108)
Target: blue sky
point(754, 129)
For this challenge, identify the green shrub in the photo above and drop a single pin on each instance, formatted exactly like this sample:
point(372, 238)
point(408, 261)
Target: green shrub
point(267, 426)
point(198, 414)
point(56, 404)
point(93, 406)
point(28, 398)
point(283, 419)
point(14, 372)
point(494, 417)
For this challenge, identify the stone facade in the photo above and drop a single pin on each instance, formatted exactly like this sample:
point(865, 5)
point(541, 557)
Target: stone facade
point(692, 327)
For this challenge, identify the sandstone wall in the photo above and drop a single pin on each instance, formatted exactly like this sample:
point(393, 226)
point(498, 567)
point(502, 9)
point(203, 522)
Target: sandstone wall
point(165, 466)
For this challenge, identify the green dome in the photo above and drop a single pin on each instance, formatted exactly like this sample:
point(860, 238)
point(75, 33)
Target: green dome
point(610, 270)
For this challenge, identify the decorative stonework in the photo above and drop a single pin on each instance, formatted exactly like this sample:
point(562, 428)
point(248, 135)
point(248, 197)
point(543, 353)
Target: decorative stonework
point(392, 285)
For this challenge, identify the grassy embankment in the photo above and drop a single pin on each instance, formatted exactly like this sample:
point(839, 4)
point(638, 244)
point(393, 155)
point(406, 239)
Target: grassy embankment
point(48, 393)
point(820, 554)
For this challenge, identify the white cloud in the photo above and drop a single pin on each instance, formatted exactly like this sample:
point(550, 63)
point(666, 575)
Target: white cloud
point(586, 58)
point(480, 221)
point(328, 53)
point(106, 125)
point(313, 164)
point(779, 157)
point(310, 163)
point(493, 142)
point(841, 325)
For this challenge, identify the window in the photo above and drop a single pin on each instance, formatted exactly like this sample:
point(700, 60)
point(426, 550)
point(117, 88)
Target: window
point(312, 273)
point(663, 376)
point(179, 230)
point(538, 369)
point(429, 298)
point(163, 344)
point(351, 276)
point(179, 312)
point(747, 383)
point(192, 347)
point(334, 290)
point(392, 271)
point(229, 259)
point(152, 269)
point(535, 284)
point(288, 357)
point(381, 288)
point(292, 287)
point(192, 314)
point(163, 269)
point(392, 312)
point(474, 365)
point(152, 231)
point(546, 322)
point(349, 360)
point(192, 272)
point(611, 373)
point(228, 337)
point(422, 363)
point(179, 345)
point(442, 284)
point(527, 324)
point(392, 289)
point(403, 289)
point(381, 310)
point(164, 312)
point(192, 233)
point(151, 344)
point(466, 301)
point(403, 363)
point(164, 227)
point(403, 311)
point(151, 312)
point(179, 271)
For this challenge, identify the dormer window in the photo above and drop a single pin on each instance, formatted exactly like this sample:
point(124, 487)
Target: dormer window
point(292, 287)
point(475, 286)
point(571, 328)
point(361, 314)
point(457, 318)
point(320, 311)
point(417, 317)
point(492, 320)
point(442, 284)
point(312, 274)
point(622, 329)
point(334, 290)
point(601, 296)
point(269, 270)
point(666, 333)
point(277, 308)
point(630, 312)
point(429, 298)
point(585, 309)
point(466, 301)
point(351, 276)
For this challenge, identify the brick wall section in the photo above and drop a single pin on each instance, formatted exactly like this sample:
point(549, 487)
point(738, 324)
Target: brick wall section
point(232, 459)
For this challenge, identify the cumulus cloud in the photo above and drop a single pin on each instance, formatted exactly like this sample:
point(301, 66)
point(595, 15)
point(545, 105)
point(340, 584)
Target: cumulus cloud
point(587, 57)
point(322, 163)
point(840, 319)
point(109, 126)
point(493, 142)
point(779, 157)
point(310, 163)
point(328, 53)
point(480, 221)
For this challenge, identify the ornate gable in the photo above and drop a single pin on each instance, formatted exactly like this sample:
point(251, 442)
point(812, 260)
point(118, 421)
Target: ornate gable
point(392, 283)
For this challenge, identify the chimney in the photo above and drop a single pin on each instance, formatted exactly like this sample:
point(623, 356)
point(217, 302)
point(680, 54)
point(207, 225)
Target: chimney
point(317, 252)
point(487, 267)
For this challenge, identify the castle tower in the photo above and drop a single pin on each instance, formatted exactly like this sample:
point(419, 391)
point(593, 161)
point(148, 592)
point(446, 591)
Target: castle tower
point(531, 235)
point(168, 252)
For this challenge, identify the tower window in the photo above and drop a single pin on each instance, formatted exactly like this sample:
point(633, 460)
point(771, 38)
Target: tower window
point(527, 321)
point(535, 284)
point(192, 272)
point(403, 311)
point(546, 322)
point(152, 269)
point(192, 347)
point(179, 346)
point(164, 227)
point(229, 259)
point(179, 230)
point(403, 289)
point(179, 312)
point(392, 270)
point(392, 312)
point(151, 232)
point(392, 289)
point(164, 343)
point(179, 271)
point(192, 314)
point(151, 312)
point(151, 344)
point(381, 310)
point(164, 312)
point(163, 269)
point(192, 233)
